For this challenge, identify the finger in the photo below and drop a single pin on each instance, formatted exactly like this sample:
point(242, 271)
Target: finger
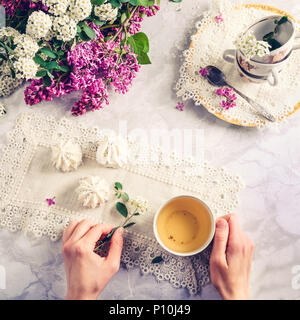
point(235, 231)
point(81, 229)
point(220, 241)
point(69, 230)
point(95, 233)
point(227, 217)
point(115, 250)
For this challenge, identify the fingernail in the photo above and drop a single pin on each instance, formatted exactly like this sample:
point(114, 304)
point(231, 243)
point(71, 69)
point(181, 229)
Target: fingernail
point(221, 224)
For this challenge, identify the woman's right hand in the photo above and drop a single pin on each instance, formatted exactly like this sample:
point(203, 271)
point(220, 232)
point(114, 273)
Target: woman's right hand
point(231, 258)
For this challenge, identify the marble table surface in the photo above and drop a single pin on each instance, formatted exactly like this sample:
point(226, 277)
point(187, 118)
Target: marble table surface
point(267, 160)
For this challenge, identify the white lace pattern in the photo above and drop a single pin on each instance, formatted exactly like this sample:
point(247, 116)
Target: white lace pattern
point(27, 178)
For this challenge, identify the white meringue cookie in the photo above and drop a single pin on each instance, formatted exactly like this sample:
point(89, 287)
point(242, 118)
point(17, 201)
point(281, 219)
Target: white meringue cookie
point(66, 156)
point(92, 191)
point(112, 152)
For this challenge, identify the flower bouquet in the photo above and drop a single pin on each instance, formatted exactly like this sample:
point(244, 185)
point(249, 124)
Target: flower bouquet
point(61, 46)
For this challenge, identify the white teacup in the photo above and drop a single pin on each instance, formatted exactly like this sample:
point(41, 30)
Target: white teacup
point(287, 34)
point(184, 225)
point(258, 71)
point(266, 68)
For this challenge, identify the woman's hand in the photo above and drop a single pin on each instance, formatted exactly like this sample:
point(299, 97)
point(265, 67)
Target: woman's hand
point(231, 258)
point(88, 273)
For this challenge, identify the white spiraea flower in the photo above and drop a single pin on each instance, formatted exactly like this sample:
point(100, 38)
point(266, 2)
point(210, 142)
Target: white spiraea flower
point(38, 25)
point(250, 46)
point(8, 32)
point(8, 84)
point(26, 46)
point(25, 68)
point(50, 35)
point(106, 12)
point(65, 28)
point(139, 205)
point(79, 9)
point(57, 7)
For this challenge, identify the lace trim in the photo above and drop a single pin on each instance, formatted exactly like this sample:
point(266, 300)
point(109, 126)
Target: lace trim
point(33, 130)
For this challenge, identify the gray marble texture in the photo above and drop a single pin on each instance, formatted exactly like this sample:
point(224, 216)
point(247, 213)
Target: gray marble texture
point(267, 160)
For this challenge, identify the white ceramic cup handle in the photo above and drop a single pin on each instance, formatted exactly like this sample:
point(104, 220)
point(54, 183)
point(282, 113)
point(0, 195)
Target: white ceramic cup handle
point(273, 78)
point(229, 55)
point(297, 46)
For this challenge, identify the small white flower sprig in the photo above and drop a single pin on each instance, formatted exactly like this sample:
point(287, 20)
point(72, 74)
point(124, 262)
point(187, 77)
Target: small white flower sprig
point(250, 46)
point(128, 208)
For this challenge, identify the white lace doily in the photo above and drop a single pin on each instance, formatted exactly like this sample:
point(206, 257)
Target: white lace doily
point(27, 178)
point(207, 47)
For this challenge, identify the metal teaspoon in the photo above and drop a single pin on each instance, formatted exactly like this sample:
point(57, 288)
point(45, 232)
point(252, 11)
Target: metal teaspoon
point(217, 78)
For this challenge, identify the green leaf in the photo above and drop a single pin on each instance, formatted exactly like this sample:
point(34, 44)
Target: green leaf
point(41, 73)
point(274, 44)
point(284, 19)
point(39, 60)
point(60, 53)
point(13, 74)
point(145, 3)
point(97, 2)
point(268, 36)
point(143, 58)
point(126, 196)
point(50, 75)
point(115, 3)
point(129, 225)
point(8, 50)
point(175, 1)
point(109, 236)
point(119, 195)
point(123, 17)
point(139, 42)
point(48, 52)
point(157, 259)
point(52, 65)
point(136, 214)
point(122, 209)
point(140, 45)
point(64, 68)
point(84, 37)
point(118, 186)
point(2, 56)
point(47, 81)
point(98, 22)
point(89, 31)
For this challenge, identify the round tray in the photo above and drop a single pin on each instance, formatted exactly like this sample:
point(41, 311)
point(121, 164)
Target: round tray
point(272, 10)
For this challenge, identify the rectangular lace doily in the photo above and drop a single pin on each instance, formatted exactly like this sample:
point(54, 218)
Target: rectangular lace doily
point(27, 178)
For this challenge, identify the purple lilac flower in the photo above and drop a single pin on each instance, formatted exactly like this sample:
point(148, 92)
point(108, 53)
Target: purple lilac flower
point(180, 106)
point(220, 92)
point(97, 66)
point(203, 72)
point(37, 92)
point(137, 18)
point(50, 201)
point(12, 5)
point(219, 18)
point(230, 97)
